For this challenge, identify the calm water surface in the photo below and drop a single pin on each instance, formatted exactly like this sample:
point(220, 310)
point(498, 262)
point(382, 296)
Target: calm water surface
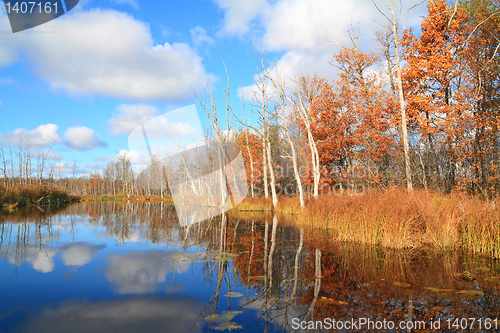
point(129, 267)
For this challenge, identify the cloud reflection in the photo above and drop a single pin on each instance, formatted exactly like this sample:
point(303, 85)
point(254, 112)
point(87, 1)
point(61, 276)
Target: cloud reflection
point(137, 314)
point(41, 258)
point(79, 254)
point(140, 272)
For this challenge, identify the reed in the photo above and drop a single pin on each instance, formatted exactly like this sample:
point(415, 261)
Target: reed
point(21, 196)
point(255, 204)
point(397, 219)
point(123, 197)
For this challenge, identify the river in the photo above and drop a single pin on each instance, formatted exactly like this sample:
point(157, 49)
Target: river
point(130, 267)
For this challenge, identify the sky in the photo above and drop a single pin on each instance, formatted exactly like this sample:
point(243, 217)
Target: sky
point(81, 84)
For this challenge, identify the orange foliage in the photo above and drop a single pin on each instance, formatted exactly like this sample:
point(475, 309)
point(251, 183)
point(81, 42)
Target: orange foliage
point(254, 149)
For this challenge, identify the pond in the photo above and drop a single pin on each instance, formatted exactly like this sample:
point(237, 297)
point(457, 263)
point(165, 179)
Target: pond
point(130, 267)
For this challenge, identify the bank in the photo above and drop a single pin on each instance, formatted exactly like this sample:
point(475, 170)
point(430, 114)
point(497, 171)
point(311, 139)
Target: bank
point(394, 219)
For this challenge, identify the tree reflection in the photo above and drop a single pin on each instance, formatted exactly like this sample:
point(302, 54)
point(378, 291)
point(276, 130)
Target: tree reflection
point(283, 273)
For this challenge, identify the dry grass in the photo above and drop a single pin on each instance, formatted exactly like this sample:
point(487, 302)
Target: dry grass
point(124, 197)
point(397, 219)
point(21, 196)
point(255, 204)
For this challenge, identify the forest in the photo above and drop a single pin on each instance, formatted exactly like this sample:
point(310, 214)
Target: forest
point(419, 111)
point(371, 193)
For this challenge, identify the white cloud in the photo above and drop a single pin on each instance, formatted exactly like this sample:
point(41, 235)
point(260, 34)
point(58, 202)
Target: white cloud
point(132, 3)
point(68, 169)
point(40, 137)
point(128, 117)
point(200, 37)
point(239, 14)
point(6, 80)
point(8, 53)
point(307, 32)
point(134, 156)
point(312, 24)
point(82, 138)
point(92, 167)
point(160, 127)
point(105, 52)
point(51, 156)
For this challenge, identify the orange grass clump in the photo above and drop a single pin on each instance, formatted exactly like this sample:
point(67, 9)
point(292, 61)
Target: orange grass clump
point(397, 219)
point(21, 196)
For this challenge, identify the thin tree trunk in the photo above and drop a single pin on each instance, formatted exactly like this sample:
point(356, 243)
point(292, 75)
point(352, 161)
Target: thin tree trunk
point(404, 129)
point(271, 173)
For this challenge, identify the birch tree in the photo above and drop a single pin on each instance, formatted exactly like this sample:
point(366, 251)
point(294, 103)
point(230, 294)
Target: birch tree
point(404, 128)
point(284, 113)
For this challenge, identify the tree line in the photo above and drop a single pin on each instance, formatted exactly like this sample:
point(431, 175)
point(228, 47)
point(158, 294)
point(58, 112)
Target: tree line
point(422, 111)
point(419, 111)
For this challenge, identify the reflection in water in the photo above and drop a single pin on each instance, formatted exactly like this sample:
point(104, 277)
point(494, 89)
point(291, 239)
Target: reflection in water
point(40, 258)
point(138, 314)
point(132, 265)
point(140, 272)
point(79, 254)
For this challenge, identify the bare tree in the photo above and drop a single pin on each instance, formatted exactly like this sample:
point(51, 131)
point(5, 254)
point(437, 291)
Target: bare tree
point(404, 130)
point(279, 85)
point(20, 157)
point(299, 99)
point(262, 99)
point(42, 165)
point(12, 178)
point(261, 110)
point(4, 169)
point(73, 176)
point(220, 148)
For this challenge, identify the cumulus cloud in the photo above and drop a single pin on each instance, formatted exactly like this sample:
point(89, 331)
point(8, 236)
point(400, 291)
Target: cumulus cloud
point(132, 3)
point(135, 157)
point(41, 137)
point(312, 24)
point(128, 118)
point(82, 138)
point(307, 32)
point(239, 14)
point(200, 37)
point(8, 52)
point(50, 155)
point(105, 52)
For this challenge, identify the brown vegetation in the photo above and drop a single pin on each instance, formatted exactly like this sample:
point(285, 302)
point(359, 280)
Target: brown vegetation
point(33, 195)
point(397, 219)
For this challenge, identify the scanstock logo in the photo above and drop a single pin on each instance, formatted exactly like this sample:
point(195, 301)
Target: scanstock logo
point(27, 14)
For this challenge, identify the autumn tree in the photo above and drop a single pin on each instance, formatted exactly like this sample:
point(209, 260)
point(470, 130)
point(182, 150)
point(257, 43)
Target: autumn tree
point(483, 68)
point(352, 119)
point(433, 80)
point(251, 148)
point(95, 184)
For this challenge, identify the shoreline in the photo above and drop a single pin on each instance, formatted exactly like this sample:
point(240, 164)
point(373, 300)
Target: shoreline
point(393, 219)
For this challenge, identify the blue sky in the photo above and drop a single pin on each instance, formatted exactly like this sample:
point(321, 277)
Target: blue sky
point(78, 84)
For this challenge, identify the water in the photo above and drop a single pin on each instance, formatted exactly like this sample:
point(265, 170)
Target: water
point(129, 267)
